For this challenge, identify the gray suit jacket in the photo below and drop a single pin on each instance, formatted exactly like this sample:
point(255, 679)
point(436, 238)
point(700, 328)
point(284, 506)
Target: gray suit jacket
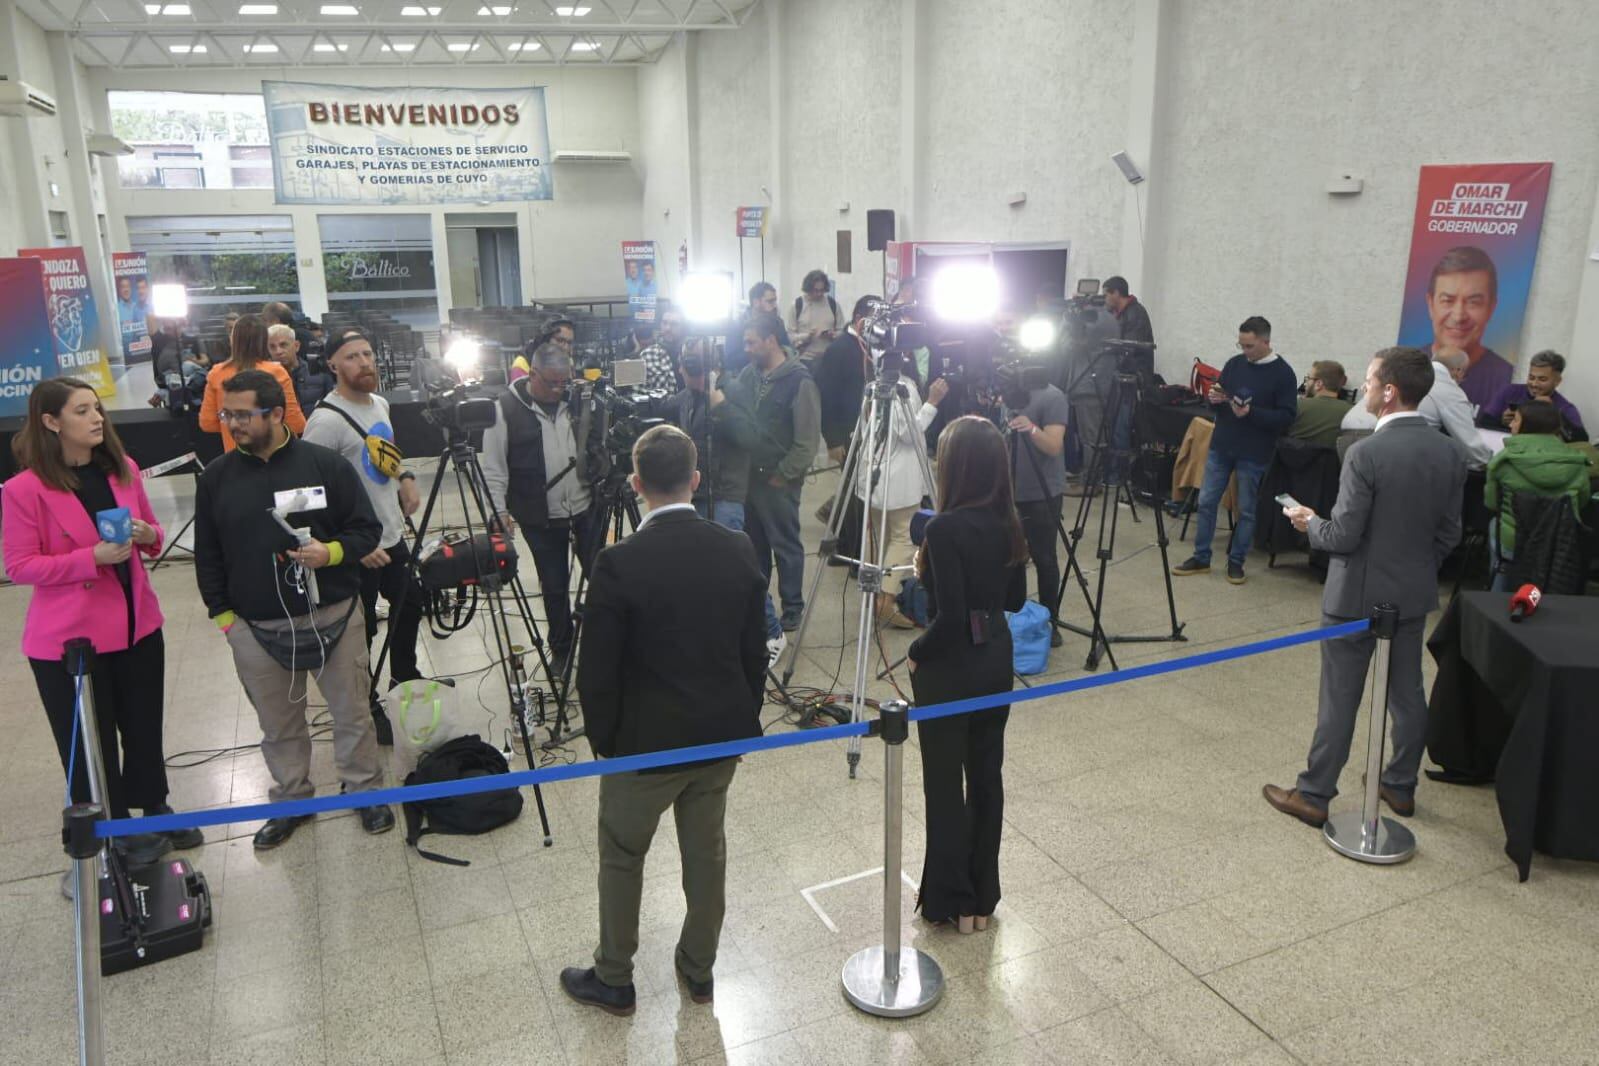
point(1397, 517)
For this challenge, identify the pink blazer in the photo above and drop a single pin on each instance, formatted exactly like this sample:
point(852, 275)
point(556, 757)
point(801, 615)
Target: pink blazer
point(49, 543)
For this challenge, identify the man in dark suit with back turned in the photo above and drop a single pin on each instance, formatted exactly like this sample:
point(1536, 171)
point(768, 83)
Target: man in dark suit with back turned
point(1397, 517)
point(674, 655)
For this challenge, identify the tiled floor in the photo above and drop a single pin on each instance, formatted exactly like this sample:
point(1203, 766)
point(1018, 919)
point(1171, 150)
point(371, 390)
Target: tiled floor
point(1155, 909)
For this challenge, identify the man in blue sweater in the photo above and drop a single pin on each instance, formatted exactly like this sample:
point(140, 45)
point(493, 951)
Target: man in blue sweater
point(1255, 401)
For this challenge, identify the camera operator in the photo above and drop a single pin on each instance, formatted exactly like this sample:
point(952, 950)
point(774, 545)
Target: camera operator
point(560, 332)
point(351, 420)
point(662, 354)
point(254, 580)
point(1037, 423)
point(672, 657)
point(786, 411)
point(1132, 319)
point(763, 301)
point(538, 470)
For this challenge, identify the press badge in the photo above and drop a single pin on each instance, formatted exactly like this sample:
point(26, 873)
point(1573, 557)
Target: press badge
point(307, 498)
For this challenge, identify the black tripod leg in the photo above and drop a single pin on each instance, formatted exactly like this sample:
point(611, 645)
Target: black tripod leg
point(532, 764)
point(1165, 569)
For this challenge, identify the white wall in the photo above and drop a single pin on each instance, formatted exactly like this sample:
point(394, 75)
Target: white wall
point(1255, 104)
point(663, 164)
point(575, 239)
point(1267, 100)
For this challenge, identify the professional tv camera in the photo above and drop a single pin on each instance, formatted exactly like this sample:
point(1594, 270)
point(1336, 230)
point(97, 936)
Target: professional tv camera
point(621, 404)
point(459, 408)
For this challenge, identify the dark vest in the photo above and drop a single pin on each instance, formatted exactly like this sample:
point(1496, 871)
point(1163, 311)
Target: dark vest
point(525, 495)
point(771, 402)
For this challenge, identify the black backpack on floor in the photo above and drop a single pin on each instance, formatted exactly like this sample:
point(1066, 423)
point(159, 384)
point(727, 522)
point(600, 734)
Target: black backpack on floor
point(469, 814)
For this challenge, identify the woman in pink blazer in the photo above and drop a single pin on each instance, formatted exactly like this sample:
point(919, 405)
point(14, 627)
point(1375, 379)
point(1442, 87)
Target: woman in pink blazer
point(73, 467)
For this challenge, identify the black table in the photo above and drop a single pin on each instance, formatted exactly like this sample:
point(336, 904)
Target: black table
point(1519, 705)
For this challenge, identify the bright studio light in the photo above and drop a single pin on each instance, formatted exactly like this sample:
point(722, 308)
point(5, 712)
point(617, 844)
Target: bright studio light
point(965, 292)
point(169, 301)
point(462, 357)
point(706, 298)
point(1036, 334)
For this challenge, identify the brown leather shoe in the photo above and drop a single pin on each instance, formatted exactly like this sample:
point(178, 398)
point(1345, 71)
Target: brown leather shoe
point(1289, 801)
point(1402, 807)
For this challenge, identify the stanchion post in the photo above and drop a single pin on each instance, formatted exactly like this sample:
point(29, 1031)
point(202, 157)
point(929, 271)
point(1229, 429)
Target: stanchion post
point(889, 980)
point(84, 851)
point(1368, 836)
point(78, 657)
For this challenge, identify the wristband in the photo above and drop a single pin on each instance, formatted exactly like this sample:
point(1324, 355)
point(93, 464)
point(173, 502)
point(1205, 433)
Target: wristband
point(406, 475)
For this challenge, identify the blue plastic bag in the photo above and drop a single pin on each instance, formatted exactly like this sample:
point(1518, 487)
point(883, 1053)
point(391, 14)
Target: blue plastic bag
point(1029, 636)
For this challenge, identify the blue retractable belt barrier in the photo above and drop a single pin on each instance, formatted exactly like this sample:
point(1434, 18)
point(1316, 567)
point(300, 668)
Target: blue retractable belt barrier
point(166, 823)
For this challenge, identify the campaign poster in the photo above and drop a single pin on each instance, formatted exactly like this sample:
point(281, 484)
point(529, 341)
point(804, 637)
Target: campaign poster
point(344, 144)
point(638, 265)
point(1472, 251)
point(751, 221)
point(27, 354)
point(74, 320)
point(132, 273)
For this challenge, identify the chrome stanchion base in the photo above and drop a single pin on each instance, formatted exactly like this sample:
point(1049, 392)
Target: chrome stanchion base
point(919, 986)
point(1346, 834)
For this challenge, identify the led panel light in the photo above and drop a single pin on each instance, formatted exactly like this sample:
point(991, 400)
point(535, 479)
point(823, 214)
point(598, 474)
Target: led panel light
point(572, 12)
point(258, 9)
point(411, 11)
point(523, 46)
point(339, 9)
point(499, 11)
point(462, 46)
point(169, 301)
point(401, 46)
point(186, 49)
point(330, 48)
point(585, 46)
point(174, 9)
point(261, 49)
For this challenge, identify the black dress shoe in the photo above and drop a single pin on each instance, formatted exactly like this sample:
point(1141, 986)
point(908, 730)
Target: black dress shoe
point(277, 830)
point(589, 990)
point(142, 849)
point(375, 820)
point(699, 991)
point(1054, 637)
point(385, 731)
point(182, 839)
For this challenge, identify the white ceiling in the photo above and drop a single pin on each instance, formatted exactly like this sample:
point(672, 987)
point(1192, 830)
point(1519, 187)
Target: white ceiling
point(144, 34)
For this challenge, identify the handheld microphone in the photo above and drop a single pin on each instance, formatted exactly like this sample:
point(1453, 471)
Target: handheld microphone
point(280, 515)
point(1524, 602)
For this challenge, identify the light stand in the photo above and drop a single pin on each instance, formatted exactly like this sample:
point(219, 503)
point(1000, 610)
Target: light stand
point(883, 399)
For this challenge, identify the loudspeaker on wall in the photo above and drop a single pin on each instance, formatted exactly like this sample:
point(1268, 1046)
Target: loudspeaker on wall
point(879, 229)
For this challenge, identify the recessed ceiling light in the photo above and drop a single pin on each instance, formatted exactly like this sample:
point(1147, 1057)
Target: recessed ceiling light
point(402, 46)
point(340, 9)
point(186, 49)
point(462, 46)
point(524, 46)
point(330, 48)
point(258, 9)
point(152, 9)
point(261, 48)
point(499, 11)
point(585, 46)
point(572, 12)
point(173, 9)
point(411, 11)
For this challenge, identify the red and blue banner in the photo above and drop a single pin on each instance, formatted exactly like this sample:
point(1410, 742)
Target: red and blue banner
point(74, 320)
point(27, 352)
point(1472, 251)
point(638, 264)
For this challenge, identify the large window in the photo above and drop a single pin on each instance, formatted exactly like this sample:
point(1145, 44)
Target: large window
point(377, 265)
point(226, 262)
point(192, 140)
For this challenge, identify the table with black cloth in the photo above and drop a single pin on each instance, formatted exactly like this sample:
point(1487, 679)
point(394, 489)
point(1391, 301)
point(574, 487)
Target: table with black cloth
point(1516, 704)
point(1165, 423)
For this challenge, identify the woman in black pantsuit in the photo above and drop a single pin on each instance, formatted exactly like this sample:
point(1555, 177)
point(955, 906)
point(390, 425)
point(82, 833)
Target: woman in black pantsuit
point(972, 562)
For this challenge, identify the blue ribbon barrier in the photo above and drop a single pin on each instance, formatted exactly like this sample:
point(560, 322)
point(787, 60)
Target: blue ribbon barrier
point(166, 823)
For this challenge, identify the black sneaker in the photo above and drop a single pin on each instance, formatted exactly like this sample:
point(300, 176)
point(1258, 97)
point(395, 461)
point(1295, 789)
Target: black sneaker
point(790, 621)
point(698, 991)
point(276, 831)
point(1235, 573)
point(380, 724)
point(182, 839)
point(589, 990)
point(375, 820)
point(1192, 566)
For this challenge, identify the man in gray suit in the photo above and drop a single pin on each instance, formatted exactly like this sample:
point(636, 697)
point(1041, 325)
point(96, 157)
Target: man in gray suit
point(1397, 517)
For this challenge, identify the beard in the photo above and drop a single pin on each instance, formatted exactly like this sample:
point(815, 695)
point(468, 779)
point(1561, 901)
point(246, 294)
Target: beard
point(364, 381)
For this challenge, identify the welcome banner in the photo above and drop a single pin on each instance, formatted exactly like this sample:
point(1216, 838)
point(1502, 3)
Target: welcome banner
point(341, 144)
point(74, 319)
point(1472, 251)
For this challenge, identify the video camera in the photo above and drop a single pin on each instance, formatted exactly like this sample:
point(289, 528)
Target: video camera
point(624, 408)
point(888, 328)
point(459, 408)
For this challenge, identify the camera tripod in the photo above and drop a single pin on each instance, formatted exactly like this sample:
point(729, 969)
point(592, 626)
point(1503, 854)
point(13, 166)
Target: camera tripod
point(885, 412)
point(613, 511)
point(459, 455)
point(1109, 470)
point(1096, 633)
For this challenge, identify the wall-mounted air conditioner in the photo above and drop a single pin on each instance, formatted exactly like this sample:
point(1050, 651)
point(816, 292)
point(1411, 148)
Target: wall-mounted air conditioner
point(583, 156)
point(19, 98)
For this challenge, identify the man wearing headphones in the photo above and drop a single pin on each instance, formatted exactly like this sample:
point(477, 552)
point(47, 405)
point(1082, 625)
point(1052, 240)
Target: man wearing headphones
point(353, 420)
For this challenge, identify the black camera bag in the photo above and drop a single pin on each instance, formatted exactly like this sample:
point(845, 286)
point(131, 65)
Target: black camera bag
point(469, 814)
